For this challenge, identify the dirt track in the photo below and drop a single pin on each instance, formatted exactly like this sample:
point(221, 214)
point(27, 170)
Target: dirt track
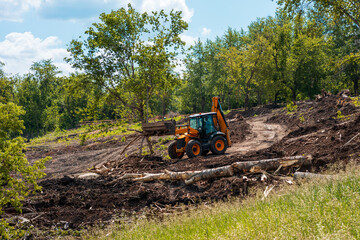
point(316, 128)
point(262, 136)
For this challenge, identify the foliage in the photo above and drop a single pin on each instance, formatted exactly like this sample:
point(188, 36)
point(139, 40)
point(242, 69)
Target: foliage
point(291, 108)
point(83, 138)
point(350, 67)
point(6, 87)
point(356, 101)
point(340, 116)
point(302, 118)
point(338, 10)
point(131, 54)
point(17, 177)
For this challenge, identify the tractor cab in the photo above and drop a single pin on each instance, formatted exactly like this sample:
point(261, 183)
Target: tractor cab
point(204, 124)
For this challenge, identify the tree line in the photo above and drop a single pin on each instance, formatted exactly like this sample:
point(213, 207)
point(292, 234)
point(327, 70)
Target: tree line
point(125, 67)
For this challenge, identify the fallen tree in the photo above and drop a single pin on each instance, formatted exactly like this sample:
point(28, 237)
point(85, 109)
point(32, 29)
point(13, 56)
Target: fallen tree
point(190, 177)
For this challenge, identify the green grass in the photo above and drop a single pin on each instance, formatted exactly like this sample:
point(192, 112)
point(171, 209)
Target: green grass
point(84, 133)
point(88, 132)
point(325, 210)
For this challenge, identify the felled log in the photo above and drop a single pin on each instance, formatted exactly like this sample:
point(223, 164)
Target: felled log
point(190, 177)
point(307, 175)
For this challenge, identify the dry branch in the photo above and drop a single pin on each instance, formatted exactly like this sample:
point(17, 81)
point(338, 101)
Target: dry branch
point(136, 138)
point(191, 177)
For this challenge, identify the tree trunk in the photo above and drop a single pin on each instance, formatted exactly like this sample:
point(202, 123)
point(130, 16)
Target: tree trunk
point(163, 107)
point(191, 177)
point(276, 97)
point(229, 105)
point(259, 102)
point(356, 86)
point(141, 114)
point(246, 99)
point(147, 105)
point(293, 90)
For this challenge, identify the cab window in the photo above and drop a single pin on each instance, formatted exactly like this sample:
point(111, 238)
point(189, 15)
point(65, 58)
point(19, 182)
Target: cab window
point(209, 124)
point(195, 123)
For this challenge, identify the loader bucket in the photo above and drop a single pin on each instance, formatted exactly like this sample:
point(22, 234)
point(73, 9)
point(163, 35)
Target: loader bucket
point(159, 128)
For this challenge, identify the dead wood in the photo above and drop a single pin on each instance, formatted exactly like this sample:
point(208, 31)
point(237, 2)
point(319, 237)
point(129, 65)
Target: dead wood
point(136, 138)
point(307, 175)
point(190, 177)
point(348, 142)
point(149, 144)
point(267, 191)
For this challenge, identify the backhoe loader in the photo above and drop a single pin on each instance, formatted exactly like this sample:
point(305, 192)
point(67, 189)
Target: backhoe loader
point(204, 132)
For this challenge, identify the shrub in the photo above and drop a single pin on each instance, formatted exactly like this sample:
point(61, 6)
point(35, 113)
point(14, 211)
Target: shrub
point(17, 176)
point(291, 108)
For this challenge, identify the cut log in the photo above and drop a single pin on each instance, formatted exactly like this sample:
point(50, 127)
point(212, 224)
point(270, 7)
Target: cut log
point(307, 175)
point(190, 177)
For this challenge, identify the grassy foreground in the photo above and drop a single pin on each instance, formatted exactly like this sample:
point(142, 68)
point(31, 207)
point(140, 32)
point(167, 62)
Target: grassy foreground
point(322, 210)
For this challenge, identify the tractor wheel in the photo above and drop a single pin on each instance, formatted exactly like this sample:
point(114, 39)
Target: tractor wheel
point(218, 145)
point(193, 149)
point(172, 151)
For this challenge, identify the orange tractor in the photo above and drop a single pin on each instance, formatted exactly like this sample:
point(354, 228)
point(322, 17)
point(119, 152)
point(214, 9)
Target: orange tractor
point(204, 132)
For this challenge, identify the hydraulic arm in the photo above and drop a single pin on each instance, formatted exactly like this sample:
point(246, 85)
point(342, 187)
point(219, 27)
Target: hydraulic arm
point(220, 121)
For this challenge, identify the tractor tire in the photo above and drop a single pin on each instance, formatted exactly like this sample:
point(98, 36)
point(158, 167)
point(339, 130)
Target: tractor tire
point(193, 149)
point(172, 151)
point(218, 145)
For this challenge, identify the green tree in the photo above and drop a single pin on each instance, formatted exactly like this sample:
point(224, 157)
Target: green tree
point(350, 67)
point(6, 87)
point(127, 53)
point(38, 93)
point(17, 177)
point(195, 90)
point(337, 9)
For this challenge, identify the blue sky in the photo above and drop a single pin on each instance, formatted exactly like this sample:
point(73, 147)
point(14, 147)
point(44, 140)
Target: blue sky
point(32, 30)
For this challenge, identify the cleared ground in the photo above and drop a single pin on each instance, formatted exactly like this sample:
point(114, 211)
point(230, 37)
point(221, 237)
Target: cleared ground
point(328, 129)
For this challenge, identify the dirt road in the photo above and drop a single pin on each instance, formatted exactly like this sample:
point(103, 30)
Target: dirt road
point(76, 159)
point(262, 136)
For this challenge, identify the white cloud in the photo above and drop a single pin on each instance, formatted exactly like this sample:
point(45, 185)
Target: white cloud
point(20, 50)
point(178, 5)
point(180, 66)
point(189, 40)
point(205, 31)
point(12, 10)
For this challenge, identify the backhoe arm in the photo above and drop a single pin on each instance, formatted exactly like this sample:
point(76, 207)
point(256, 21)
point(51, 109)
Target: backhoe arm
point(220, 121)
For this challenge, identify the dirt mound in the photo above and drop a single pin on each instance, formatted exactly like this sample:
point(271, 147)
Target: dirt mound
point(324, 112)
point(334, 142)
point(239, 128)
point(254, 111)
point(76, 203)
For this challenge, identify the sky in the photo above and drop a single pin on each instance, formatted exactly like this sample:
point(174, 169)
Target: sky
point(33, 30)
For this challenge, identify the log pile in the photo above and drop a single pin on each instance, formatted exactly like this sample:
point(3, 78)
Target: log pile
point(190, 177)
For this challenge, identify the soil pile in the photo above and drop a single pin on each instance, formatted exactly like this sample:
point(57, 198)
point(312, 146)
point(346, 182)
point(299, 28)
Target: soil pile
point(328, 129)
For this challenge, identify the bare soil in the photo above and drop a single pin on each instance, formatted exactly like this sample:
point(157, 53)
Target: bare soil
point(66, 201)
